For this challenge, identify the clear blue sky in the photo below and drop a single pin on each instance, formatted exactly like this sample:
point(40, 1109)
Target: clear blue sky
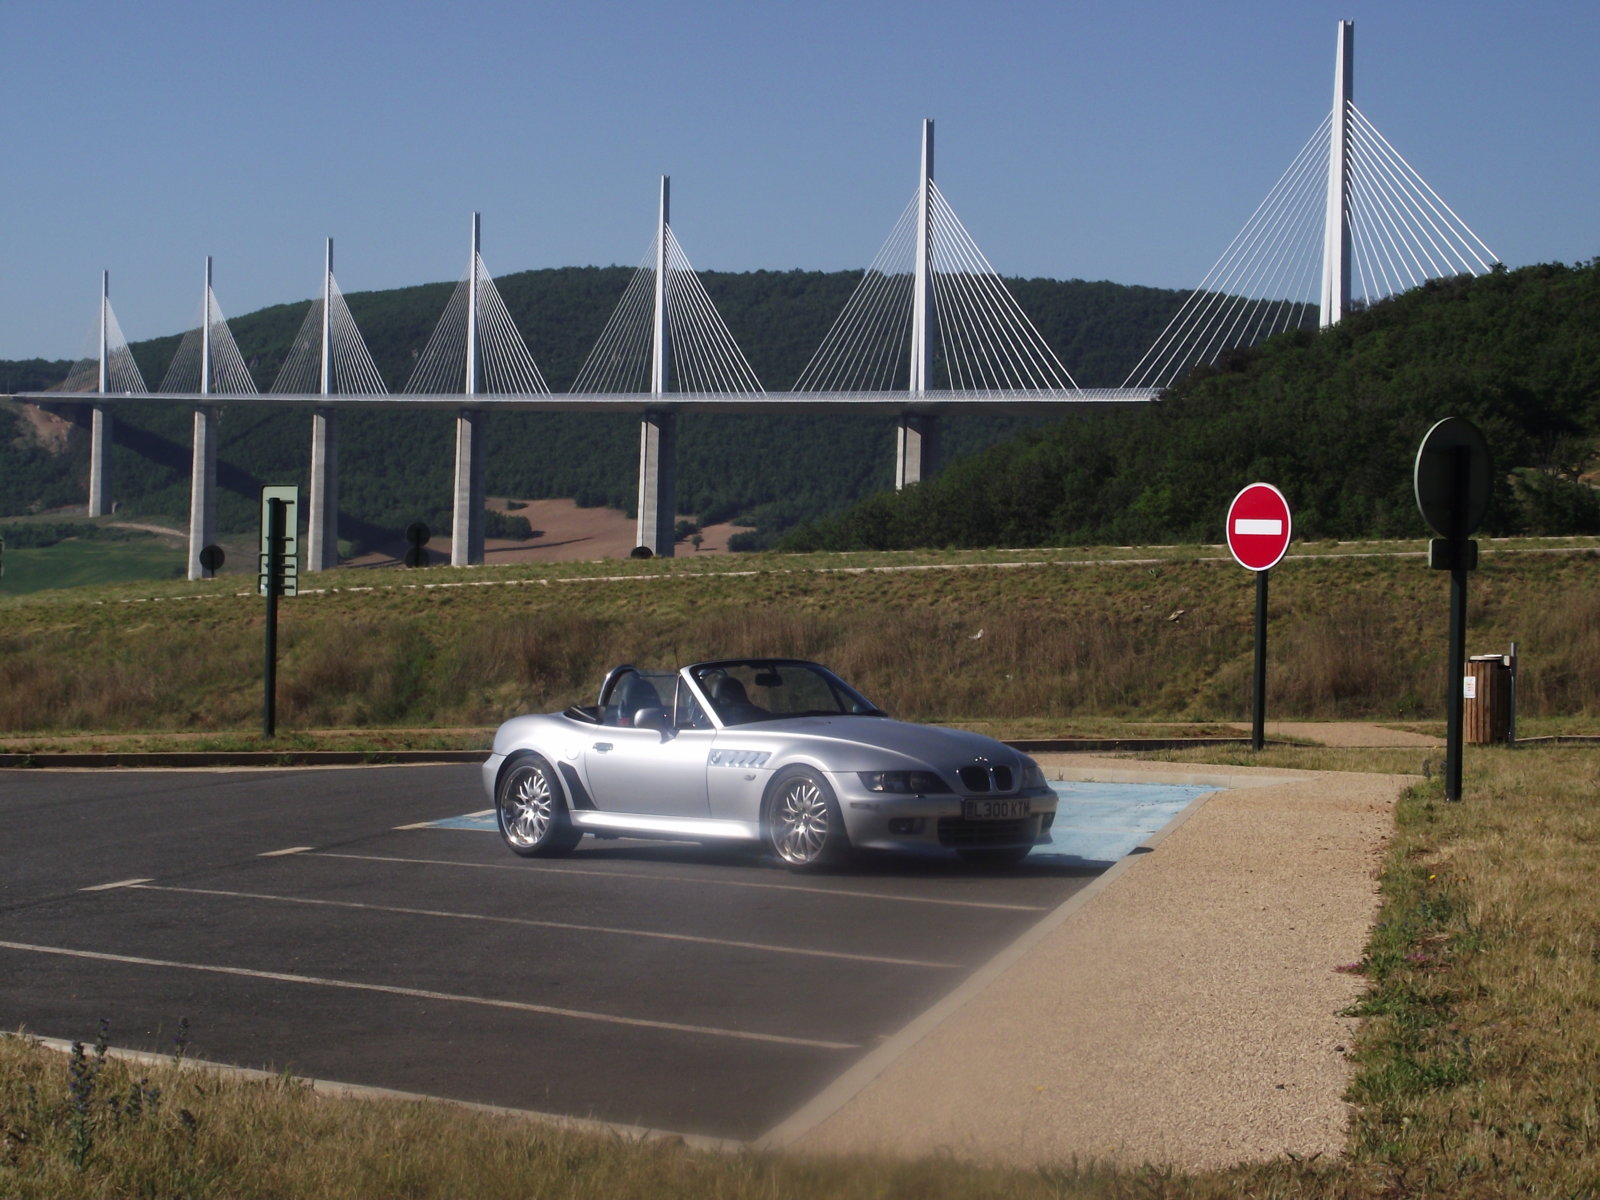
point(1121, 139)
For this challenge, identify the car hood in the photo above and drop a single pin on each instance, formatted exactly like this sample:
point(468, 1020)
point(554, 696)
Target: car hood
point(852, 743)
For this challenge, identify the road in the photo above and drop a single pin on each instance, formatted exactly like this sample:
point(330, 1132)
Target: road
point(317, 921)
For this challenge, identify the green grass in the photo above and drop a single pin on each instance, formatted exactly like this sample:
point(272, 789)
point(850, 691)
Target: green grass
point(74, 563)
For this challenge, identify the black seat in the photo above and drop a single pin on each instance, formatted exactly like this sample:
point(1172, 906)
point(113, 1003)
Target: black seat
point(732, 702)
point(639, 695)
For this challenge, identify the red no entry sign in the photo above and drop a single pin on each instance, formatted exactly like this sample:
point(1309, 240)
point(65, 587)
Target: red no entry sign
point(1259, 527)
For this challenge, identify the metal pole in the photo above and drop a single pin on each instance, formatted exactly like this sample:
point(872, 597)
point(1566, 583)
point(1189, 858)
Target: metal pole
point(1258, 705)
point(1511, 715)
point(1455, 707)
point(269, 667)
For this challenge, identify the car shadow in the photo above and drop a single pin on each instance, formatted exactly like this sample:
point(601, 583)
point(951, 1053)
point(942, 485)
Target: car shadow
point(932, 864)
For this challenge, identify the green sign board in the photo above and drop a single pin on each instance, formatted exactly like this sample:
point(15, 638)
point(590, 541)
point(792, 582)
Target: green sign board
point(289, 574)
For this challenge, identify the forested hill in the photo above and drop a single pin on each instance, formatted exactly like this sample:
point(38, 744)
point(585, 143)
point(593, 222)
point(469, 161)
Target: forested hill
point(1334, 418)
point(396, 467)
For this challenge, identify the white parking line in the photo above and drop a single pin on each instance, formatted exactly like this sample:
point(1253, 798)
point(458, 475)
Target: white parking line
point(461, 916)
point(107, 887)
point(740, 883)
point(283, 853)
point(423, 994)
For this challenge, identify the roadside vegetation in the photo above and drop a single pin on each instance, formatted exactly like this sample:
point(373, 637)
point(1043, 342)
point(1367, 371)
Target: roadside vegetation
point(1473, 1072)
point(1028, 643)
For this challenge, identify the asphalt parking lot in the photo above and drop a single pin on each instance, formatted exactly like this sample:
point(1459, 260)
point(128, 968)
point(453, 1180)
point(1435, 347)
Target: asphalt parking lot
point(317, 921)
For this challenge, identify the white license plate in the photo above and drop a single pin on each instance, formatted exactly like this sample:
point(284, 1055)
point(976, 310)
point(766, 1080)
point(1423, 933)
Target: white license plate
point(994, 810)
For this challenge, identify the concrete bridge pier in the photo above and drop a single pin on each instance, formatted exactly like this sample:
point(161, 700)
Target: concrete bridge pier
point(466, 530)
point(658, 482)
point(322, 525)
point(203, 487)
point(100, 437)
point(916, 454)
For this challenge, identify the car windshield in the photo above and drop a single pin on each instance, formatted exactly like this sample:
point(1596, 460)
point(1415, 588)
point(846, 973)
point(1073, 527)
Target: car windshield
point(748, 690)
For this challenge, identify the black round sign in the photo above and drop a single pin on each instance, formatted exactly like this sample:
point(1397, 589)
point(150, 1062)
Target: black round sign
point(417, 534)
point(1453, 477)
point(212, 557)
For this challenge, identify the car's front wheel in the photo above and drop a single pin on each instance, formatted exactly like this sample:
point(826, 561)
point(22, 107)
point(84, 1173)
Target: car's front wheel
point(530, 810)
point(803, 824)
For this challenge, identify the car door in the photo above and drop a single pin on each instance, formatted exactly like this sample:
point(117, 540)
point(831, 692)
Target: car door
point(648, 771)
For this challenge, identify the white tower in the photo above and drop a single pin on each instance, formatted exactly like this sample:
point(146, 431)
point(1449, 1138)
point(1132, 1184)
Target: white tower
point(1336, 232)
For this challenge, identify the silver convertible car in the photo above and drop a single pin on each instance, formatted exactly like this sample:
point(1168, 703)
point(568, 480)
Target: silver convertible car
point(768, 751)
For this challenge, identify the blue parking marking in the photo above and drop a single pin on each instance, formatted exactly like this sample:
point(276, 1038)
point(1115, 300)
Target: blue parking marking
point(1095, 823)
point(1104, 822)
point(482, 821)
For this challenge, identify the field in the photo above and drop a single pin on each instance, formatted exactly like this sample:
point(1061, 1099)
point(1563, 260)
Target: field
point(1034, 643)
point(74, 564)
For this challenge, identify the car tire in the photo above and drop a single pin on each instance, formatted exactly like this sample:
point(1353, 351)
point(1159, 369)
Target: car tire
point(802, 821)
point(531, 810)
point(995, 856)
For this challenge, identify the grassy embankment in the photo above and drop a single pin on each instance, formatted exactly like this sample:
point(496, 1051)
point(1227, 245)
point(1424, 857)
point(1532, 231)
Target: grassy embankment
point(1473, 1071)
point(1023, 643)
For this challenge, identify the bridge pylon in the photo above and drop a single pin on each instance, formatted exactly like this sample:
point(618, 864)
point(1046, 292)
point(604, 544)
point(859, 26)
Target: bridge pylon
point(203, 464)
point(916, 455)
point(466, 525)
point(322, 515)
point(658, 430)
point(1336, 230)
point(100, 422)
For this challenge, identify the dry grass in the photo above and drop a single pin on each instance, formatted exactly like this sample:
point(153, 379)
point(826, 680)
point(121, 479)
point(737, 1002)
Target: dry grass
point(941, 638)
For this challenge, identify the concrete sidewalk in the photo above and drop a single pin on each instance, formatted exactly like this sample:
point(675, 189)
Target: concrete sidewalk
point(1183, 1010)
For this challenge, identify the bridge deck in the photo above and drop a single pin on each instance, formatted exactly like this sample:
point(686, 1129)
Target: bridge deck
point(637, 402)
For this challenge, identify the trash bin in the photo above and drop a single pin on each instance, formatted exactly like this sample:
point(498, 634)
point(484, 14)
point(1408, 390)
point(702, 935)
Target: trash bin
point(1486, 691)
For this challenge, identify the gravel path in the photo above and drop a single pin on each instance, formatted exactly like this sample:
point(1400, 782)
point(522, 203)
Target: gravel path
point(1184, 1010)
point(1346, 733)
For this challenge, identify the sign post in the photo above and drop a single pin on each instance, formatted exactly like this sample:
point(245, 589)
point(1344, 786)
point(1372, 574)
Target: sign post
point(280, 525)
point(1452, 481)
point(1259, 529)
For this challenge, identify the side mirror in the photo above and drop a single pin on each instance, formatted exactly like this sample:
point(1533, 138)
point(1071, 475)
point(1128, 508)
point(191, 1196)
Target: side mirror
point(652, 718)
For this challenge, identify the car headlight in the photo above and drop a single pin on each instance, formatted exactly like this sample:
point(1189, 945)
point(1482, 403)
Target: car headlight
point(1033, 778)
point(902, 782)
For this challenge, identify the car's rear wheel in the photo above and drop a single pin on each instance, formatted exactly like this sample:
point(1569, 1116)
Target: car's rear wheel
point(531, 811)
point(803, 824)
point(991, 856)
